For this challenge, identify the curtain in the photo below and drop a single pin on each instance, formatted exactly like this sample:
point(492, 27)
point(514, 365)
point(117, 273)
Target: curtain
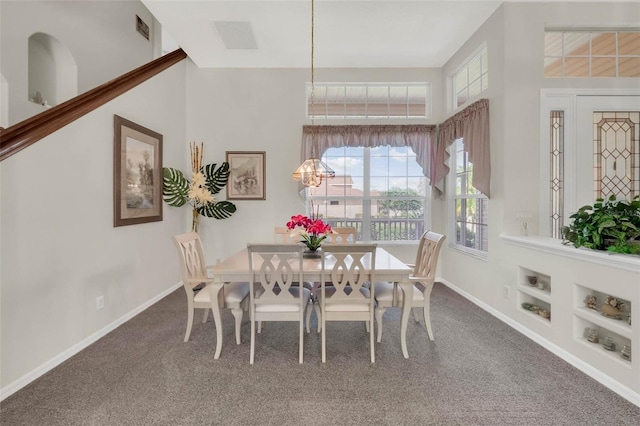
point(471, 124)
point(317, 139)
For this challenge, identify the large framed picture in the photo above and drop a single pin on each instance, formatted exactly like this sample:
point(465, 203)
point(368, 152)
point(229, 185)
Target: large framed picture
point(246, 175)
point(137, 174)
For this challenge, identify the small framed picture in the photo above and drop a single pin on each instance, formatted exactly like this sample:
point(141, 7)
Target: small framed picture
point(246, 175)
point(137, 174)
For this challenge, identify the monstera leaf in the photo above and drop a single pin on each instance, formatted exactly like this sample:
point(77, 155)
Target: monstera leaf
point(175, 187)
point(219, 210)
point(216, 178)
point(175, 190)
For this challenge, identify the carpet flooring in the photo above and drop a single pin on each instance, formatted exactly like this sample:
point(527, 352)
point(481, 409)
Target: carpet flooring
point(478, 371)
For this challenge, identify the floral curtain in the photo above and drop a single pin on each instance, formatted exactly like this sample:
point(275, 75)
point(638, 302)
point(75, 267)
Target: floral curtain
point(471, 124)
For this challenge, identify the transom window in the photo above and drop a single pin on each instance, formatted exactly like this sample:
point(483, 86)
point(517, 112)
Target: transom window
point(591, 54)
point(368, 100)
point(471, 79)
point(380, 191)
point(470, 206)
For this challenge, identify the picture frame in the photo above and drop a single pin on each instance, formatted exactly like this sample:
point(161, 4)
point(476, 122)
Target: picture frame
point(247, 171)
point(137, 173)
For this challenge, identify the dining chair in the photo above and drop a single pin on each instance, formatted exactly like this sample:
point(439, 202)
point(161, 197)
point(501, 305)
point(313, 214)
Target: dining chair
point(275, 296)
point(344, 295)
point(282, 235)
point(343, 235)
point(424, 271)
point(234, 296)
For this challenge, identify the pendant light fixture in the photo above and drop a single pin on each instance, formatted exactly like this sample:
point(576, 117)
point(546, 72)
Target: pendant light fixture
point(313, 171)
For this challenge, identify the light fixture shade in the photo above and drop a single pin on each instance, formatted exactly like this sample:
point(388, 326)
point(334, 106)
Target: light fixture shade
point(312, 171)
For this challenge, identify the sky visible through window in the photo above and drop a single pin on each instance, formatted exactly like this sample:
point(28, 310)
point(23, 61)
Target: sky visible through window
point(390, 167)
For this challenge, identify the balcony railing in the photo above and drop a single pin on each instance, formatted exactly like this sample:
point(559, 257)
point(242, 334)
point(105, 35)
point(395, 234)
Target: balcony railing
point(400, 229)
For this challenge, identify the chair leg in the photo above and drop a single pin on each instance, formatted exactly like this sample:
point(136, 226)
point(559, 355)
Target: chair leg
point(189, 322)
point(366, 326)
point(316, 307)
point(308, 315)
point(427, 320)
point(237, 314)
point(371, 344)
point(205, 316)
point(301, 339)
point(380, 310)
point(427, 309)
point(324, 341)
point(253, 339)
point(259, 327)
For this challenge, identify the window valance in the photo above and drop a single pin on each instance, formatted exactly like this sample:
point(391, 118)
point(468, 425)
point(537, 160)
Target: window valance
point(471, 124)
point(429, 142)
point(317, 139)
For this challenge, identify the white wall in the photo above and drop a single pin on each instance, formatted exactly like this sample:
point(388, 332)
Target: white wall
point(264, 110)
point(515, 38)
point(101, 36)
point(59, 248)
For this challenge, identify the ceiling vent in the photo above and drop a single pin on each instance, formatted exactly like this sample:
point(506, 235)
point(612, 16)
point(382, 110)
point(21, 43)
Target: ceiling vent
point(235, 35)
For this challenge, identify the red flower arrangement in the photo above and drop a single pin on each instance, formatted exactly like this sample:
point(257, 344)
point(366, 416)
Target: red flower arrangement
point(312, 231)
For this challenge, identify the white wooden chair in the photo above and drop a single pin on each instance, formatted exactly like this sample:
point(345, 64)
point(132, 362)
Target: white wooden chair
point(344, 295)
point(282, 235)
point(343, 235)
point(276, 270)
point(389, 294)
point(194, 273)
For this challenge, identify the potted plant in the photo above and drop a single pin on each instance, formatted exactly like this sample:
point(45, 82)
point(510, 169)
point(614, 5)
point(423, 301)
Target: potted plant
point(612, 225)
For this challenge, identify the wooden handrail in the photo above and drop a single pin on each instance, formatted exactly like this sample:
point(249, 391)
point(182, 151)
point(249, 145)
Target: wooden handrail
point(19, 136)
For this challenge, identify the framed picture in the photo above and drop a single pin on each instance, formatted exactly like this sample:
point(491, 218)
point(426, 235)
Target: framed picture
point(137, 174)
point(246, 175)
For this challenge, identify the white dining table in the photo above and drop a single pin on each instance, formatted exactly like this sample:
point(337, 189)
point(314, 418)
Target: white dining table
point(236, 269)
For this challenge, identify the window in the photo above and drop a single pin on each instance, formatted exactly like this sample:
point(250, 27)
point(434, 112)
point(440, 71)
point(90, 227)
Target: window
point(368, 100)
point(381, 191)
point(470, 206)
point(592, 142)
point(471, 79)
point(591, 54)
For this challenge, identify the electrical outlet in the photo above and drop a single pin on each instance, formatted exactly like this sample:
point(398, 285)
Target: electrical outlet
point(506, 292)
point(99, 302)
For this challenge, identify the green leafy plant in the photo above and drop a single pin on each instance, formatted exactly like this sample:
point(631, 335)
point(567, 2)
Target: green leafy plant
point(612, 225)
point(206, 181)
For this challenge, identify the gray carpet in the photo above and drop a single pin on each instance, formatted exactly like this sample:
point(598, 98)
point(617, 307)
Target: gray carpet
point(477, 372)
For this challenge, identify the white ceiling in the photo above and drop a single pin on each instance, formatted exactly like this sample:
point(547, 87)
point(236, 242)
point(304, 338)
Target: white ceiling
point(356, 33)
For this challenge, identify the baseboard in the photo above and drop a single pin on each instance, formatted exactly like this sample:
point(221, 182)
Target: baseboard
point(23, 381)
point(594, 373)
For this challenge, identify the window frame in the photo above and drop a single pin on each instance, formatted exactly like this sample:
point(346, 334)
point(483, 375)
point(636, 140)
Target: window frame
point(464, 66)
point(317, 86)
point(367, 200)
point(454, 197)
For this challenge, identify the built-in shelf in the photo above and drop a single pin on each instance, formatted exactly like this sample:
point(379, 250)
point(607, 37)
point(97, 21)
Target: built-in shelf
point(612, 355)
point(534, 287)
point(617, 326)
point(544, 295)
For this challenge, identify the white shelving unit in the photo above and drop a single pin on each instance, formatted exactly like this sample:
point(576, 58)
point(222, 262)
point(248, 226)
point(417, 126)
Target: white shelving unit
point(570, 276)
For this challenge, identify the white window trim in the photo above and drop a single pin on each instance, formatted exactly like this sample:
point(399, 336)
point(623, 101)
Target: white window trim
point(463, 64)
point(451, 217)
point(366, 203)
point(428, 107)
